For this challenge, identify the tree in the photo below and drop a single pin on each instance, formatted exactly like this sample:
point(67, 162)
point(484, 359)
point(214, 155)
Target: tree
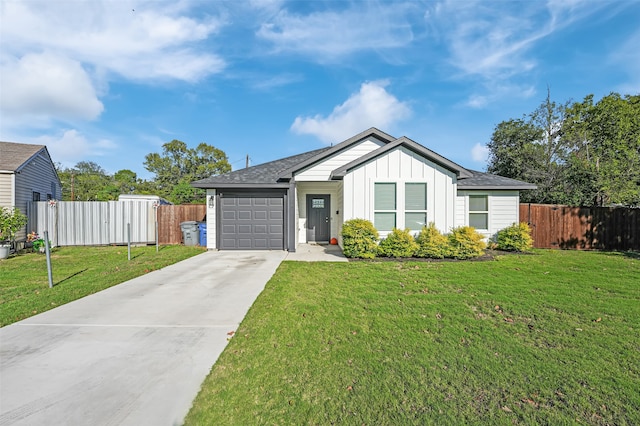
point(578, 154)
point(86, 181)
point(179, 165)
point(606, 136)
point(532, 149)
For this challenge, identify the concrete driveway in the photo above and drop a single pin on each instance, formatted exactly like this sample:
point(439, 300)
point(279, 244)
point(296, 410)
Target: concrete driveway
point(134, 354)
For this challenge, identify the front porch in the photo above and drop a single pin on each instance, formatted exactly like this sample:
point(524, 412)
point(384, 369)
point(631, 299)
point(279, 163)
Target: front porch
point(319, 214)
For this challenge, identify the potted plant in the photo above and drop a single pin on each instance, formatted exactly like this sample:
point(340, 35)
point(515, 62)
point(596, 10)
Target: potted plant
point(11, 221)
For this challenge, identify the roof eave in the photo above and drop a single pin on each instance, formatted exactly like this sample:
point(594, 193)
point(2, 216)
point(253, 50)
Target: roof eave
point(497, 187)
point(243, 185)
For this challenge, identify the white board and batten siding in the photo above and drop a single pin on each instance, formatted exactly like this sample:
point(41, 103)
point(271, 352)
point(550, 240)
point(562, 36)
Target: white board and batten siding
point(322, 171)
point(211, 219)
point(401, 166)
point(503, 209)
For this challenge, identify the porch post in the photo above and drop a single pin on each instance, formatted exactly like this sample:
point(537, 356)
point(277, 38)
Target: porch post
point(291, 217)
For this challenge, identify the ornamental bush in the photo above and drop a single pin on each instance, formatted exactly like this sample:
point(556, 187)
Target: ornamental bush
point(431, 243)
point(516, 237)
point(11, 221)
point(465, 243)
point(398, 244)
point(359, 239)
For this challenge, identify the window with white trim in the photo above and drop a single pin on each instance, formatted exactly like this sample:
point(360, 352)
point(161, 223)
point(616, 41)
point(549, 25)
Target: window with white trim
point(384, 215)
point(479, 211)
point(415, 205)
point(400, 205)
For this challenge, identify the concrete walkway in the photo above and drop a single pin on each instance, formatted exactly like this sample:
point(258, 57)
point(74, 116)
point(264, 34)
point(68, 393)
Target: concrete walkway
point(134, 354)
point(317, 253)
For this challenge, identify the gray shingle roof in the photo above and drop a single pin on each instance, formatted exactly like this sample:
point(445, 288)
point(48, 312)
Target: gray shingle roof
point(266, 174)
point(480, 180)
point(276, 174)
point(13, 155)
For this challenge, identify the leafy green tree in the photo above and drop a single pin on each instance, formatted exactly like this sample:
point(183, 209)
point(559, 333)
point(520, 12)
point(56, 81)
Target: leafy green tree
point(178, 165)
point(532, 149)
point(578, 154)
point(606, 136)
point(125, 181)
point(86, 181)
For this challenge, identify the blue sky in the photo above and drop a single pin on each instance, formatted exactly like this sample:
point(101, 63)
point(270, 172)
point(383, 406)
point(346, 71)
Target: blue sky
point(112, 80)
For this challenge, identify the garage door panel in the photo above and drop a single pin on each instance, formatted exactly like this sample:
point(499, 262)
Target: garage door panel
point(252, 221)
point(229, 215)
point(275, 229)
point(275, 215)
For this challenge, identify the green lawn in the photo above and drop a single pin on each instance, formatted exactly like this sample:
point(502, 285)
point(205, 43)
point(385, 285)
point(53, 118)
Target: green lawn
point(547, 338)
point(77, 272)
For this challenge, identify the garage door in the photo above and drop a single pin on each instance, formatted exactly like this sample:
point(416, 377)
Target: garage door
point(251, 222)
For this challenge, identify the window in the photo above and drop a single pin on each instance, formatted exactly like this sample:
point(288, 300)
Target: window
point(399, 205)
point(415, 205)
point(479, 211)
point(35, 196)
point(384, 206)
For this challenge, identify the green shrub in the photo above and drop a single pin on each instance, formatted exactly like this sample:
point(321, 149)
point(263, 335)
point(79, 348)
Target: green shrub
point(465, 242)
point(359, 239)
point(431, 243)
point(398, 244)
point(516, 237)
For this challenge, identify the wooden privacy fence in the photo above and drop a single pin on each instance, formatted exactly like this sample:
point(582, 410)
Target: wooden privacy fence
point(170, 217)
point(582, 228)
point(87, 223)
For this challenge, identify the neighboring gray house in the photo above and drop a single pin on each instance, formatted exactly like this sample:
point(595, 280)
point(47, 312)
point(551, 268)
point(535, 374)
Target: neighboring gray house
point(394, 182)
point(26, 174)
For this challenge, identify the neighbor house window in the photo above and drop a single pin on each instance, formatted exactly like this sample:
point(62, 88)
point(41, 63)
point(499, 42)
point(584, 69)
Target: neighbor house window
point(35, 196)
point(479, 211)
point(384, 216)
point(415, 205)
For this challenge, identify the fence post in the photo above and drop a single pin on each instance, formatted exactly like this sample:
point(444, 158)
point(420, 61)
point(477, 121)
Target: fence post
point(128, 241)
point(48, 253)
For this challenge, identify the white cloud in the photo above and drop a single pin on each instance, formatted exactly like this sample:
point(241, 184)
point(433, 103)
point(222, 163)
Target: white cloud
point(495, 40)
point(332, 34)
point(494, 91)
point(372, 106)
point(37, 84)
point(494, 43)
point(480, 153)
point(71, 146)
point(59, 57)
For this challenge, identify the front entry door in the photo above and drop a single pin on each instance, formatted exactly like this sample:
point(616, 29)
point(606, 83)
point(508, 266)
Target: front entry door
point(318, 218)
